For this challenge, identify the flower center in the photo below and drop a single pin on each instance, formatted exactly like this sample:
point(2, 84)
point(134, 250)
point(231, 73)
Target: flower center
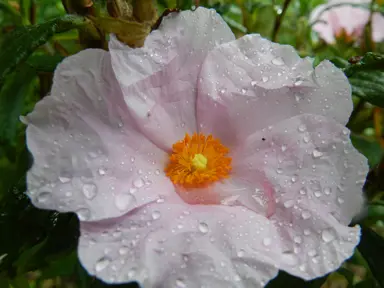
point(198, 161)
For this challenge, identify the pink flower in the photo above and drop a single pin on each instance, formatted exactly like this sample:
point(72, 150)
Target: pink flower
point(275, 188)
point(346, 20)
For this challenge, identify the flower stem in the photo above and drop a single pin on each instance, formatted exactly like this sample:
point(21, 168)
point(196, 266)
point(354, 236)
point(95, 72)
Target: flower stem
point(279, 20)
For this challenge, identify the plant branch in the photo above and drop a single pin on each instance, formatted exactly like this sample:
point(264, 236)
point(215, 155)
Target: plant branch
point(279, 20)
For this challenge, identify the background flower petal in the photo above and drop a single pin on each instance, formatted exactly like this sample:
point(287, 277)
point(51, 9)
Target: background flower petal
point(251, 83)
point(88, 156)
point(159, 80)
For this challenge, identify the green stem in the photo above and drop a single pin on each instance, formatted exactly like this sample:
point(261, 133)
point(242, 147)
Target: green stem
point(279, 20)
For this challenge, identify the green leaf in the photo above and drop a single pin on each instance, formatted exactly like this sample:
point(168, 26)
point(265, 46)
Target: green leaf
point(371, 246)
point(369, 86)
point(366, 75)
point(370, 148)
point(12, 95)
point(20, 43)
point(370, 61)
point(284, 279)
point(44, 63)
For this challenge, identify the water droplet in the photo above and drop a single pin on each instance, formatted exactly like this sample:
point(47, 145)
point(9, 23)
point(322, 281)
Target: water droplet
point(64, 179)
point(243, 91)
point(240, 253)
point(328, 235)
point(203, 227)
point(265, 79)
point(267, 241)
point(289, 258)
point(278, 61)
point(157, 172)
point(312, 253)
point(327, 191)
point(307, 232)
point(131, 273)
point(283, 147)
point(84, 214)
point(138, 182)
point(180, 284)
point(89, 191)
point(132, 159)
point(123, 201)
point(306, 215)
point(302, 128)
point(303, 191)
point(340, 200)
point(156, 215)
point(253, 83)
point(101, 172)
point(44, 197)
point(317, 194)
point(102, 263)
point(316, 153)
point(297, 239)
point(222, 91)
point(123, 250)
point(289, 203)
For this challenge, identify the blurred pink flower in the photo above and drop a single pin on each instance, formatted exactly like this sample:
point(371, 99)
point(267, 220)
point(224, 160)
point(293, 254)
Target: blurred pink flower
point(346, 20)
point(101, 142)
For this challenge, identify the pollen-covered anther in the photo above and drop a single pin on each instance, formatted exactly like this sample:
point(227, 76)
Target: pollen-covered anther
point(198, 161)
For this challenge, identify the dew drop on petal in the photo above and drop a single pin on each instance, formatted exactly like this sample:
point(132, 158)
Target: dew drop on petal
point(156, 215)
point(123, 250)
point(327, 191)
point(306, 215)
point(240, 253)
point(278, 61)
point(132, 159)
point(102, 263)
point(297, 239)
point(180, 283)
point(84, 214)
point(302, 128)
point(316, 153)
point(64, 179)
point(328, 235)
point(283, 147)
point(340, 200)
point(203, 227)
point(138, 183)
point(267, 241)
point(289, 203)
point(265, 79)
point(253, 83)
point(101, 172)
point(44, 197)
point(290, 258)
point(124, 201)
point(131, 273)
point(89, 191)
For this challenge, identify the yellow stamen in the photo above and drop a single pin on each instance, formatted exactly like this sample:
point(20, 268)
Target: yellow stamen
point(198, 161)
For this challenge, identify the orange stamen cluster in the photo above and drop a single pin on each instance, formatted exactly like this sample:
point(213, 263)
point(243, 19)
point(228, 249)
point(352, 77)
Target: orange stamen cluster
point(198, 161)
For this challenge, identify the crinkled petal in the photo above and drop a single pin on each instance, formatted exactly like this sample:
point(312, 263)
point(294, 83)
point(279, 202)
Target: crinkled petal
point(171, 244)
point(317, 178)
point(159, 80)
point(251, 83)
point(88, 157)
